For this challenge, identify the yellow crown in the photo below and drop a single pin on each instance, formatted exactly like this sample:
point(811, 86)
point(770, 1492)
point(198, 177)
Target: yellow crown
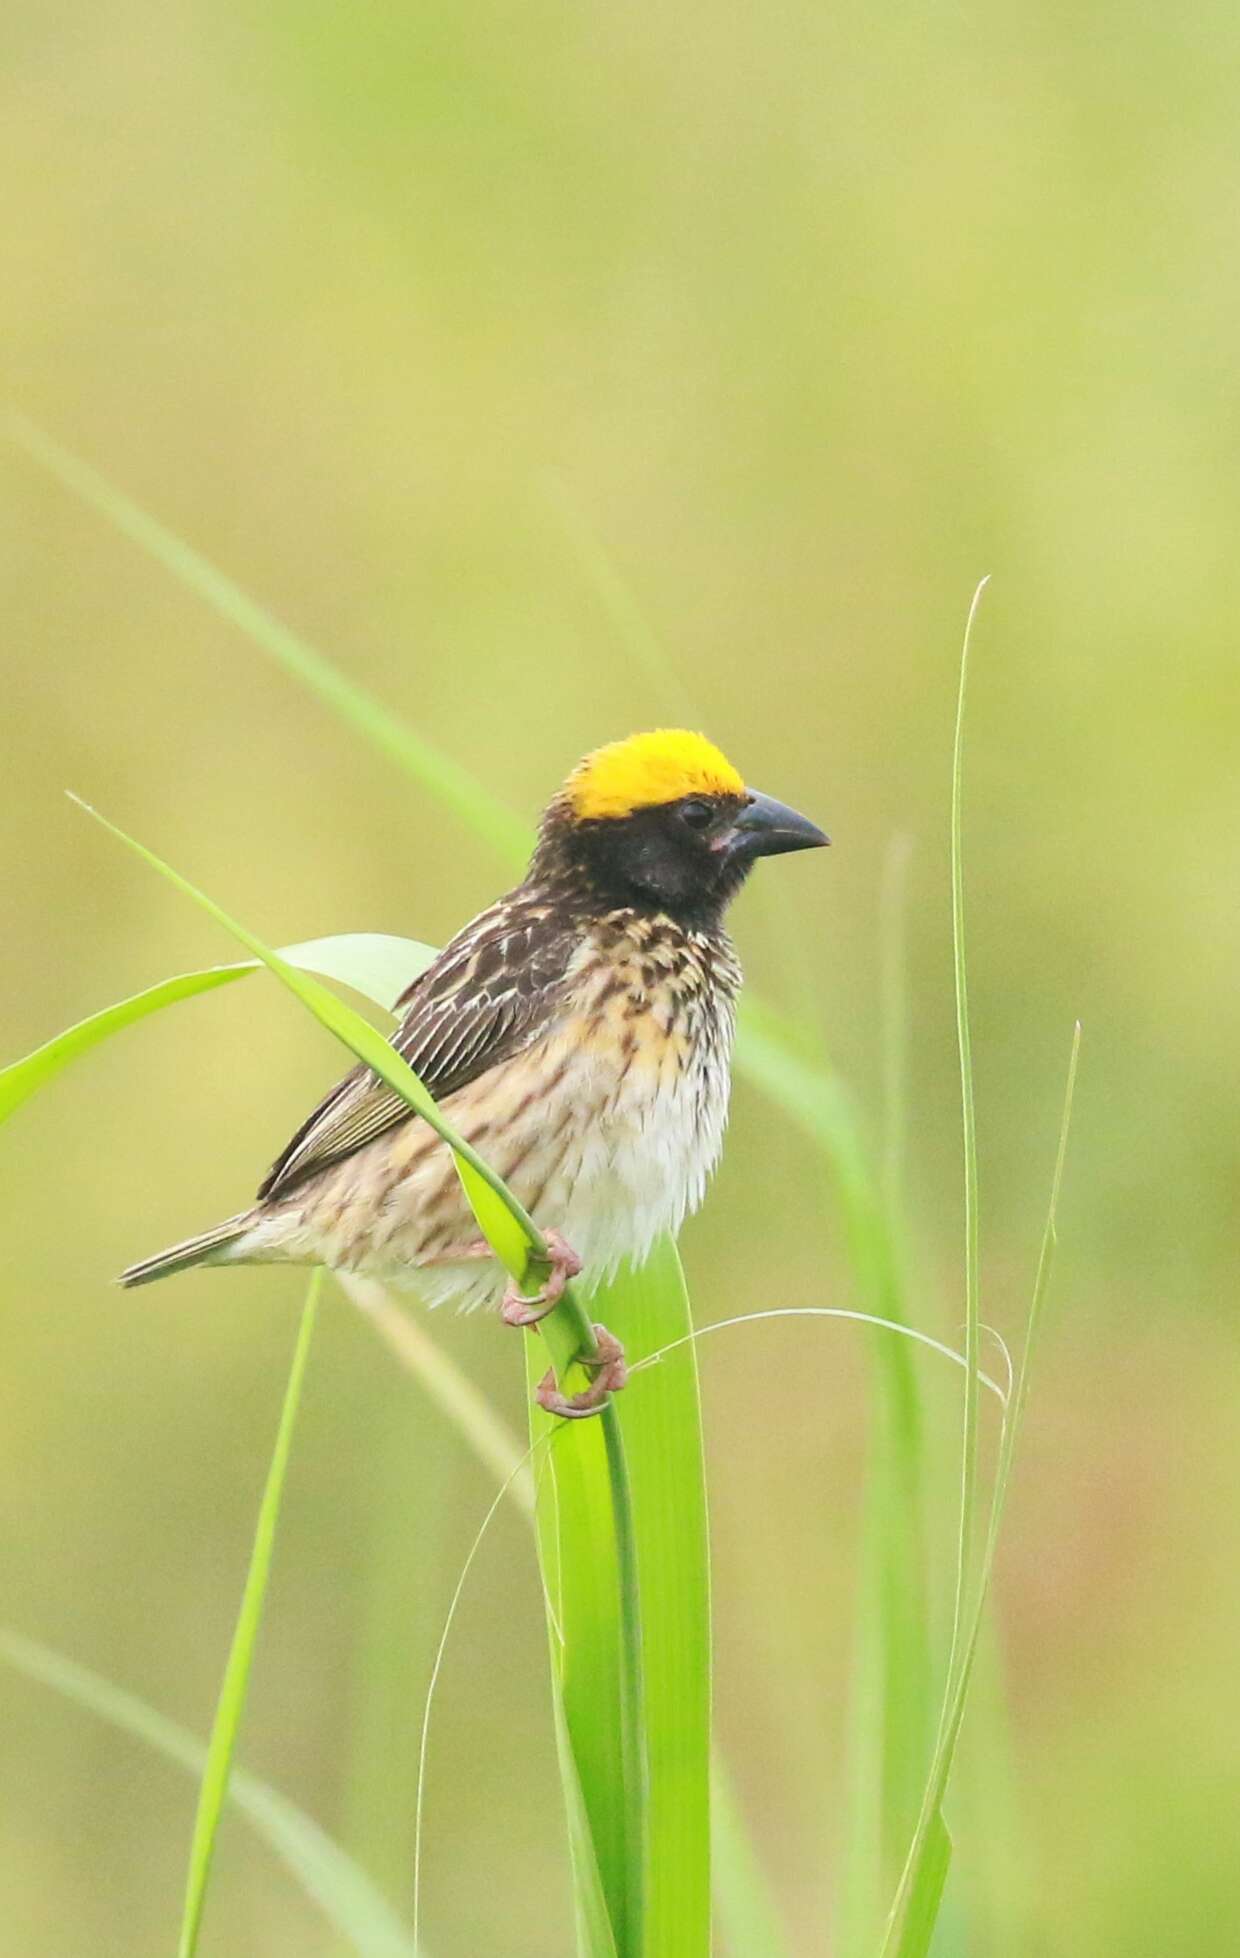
point(648, 769)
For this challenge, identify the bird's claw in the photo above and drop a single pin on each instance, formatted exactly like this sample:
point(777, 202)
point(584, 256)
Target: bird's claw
point(518, 1309)
point(610, 1371)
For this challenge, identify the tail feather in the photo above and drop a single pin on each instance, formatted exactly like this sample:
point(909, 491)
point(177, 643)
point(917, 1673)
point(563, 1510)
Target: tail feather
point(190, 1252)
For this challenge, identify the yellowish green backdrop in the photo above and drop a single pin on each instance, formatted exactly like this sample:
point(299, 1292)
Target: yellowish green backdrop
point(560, 370)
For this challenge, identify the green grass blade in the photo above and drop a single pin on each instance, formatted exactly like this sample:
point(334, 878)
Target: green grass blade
point(375, 964)
point(765, 1051)
point(453, 785)
point(628, 621)
point(567, 1334)
point(918, 1895)
point(748, 1915)
point(743, 1898)
point(371, 963)
point(893, 1698)
point(661, 1422)
point(920, 1876)
point(461, 791)
point(510, 1232)
point(467, 797)
point(892, 1701)
point(584, 1562)
point(478, 1423)
point(972, 1267)
point(768, 1059)
point(586, 1569)
point(331, 1879)
point(926, 1894)
point(893, 947)
point(231, 1705)
point(927, 1854)
point(519, 1468)
point(25, 1077)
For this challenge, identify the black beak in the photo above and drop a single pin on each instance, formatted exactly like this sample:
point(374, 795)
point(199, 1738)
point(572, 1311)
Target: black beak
point(766, 828)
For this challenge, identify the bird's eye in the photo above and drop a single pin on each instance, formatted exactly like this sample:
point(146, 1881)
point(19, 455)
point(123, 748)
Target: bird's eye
point(698, 814)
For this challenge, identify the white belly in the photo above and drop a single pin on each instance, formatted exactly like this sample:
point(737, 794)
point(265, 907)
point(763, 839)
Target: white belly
point(643, 1169)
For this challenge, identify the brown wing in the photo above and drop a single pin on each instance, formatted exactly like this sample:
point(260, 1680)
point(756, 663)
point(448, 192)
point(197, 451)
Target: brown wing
point(490, 992)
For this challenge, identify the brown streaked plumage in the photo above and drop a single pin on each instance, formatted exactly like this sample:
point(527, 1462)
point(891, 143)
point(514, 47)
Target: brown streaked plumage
point(578, 1033)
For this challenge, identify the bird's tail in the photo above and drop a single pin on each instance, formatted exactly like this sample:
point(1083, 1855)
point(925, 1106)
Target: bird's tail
point(192, 1251)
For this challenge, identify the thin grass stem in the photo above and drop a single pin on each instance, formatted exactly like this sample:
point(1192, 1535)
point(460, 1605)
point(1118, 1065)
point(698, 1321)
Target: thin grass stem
point(956, 1699)
point(235, 1684)
point(894, 1014)
point(972, 1264)
point(329, 1877)
point(507, 1487)
point(456, 786)
point(825, 1312)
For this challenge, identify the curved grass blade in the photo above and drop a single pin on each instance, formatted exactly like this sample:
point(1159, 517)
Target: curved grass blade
point(764, 1050)
point(520, 1468)
point(568, 1334)
point(510, 1232)
point(369, 962)
point(933, 1854)
point(893, 1698)
point(331, 1879)
point(915, 1906)
point(972, 1260)
point(25, 1077)
point(231, 1706)
point(467, 797)
point(454, 785)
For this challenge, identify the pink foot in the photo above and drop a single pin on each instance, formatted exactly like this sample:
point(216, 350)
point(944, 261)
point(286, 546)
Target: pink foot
point(519, 1310)
point(456, 1254)
point(610, 1371)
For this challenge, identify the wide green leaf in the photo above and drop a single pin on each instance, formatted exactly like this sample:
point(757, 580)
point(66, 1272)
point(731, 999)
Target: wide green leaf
point(596, 1658)
point(747, 1911)
point(661, 1420)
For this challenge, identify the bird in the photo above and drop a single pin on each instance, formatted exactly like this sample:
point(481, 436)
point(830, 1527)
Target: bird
point(578, 1033)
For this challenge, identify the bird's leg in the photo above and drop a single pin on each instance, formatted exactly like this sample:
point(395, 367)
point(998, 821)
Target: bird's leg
point(607, 1365)
point(456, 1254)
point(610, 1371)
point(518, 1310)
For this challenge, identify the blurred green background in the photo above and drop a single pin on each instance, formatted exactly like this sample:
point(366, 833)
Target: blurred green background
point(810, 317)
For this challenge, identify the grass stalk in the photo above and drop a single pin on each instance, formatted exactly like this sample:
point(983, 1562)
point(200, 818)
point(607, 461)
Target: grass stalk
point(569, 1336)
point(918, 1896)
point(332, 1881)
point(235, 1684)
point(972, 1264)
point(909, 1927)
point(455, 786)
point(519, 1469)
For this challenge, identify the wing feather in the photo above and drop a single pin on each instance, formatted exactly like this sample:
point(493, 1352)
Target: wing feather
point(490, 992)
